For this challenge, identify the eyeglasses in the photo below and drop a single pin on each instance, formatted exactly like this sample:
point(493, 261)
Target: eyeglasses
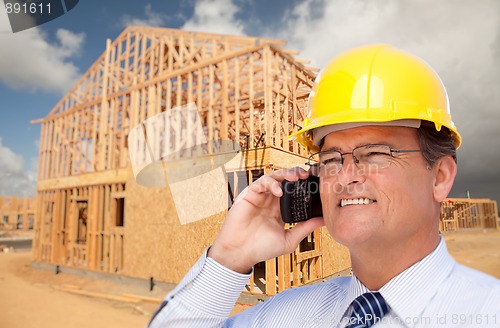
point(368, 157)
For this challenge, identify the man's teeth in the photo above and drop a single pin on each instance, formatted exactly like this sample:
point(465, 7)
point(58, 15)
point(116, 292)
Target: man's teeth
point(355, 201)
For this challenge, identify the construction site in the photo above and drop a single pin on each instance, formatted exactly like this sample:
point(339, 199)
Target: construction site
point(91, 214)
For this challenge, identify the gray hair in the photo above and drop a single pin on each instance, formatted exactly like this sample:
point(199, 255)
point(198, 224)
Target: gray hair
point(436, 144)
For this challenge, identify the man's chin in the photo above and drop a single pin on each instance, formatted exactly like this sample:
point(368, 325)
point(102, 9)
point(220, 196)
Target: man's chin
point(351, 235)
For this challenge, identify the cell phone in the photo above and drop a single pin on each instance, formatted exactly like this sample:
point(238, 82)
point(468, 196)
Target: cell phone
point(300, 200)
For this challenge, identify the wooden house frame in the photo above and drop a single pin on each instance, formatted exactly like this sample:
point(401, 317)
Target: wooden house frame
point(468, 213)
point(92, 215)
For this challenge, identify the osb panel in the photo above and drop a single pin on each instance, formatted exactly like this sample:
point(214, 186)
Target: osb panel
point(335, 256)
point(200, 196)
point(156, 244)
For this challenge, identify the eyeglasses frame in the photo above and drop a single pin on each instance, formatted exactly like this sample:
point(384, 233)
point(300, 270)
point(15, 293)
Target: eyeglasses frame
point(355, 160)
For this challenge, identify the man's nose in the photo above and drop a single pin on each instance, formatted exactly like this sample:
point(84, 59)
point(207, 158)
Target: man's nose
point(350, 172)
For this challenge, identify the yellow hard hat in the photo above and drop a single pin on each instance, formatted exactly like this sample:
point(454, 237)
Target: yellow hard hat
point(375, 84)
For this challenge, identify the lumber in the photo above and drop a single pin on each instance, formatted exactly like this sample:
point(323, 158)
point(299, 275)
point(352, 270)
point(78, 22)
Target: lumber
point(140, 298)
point(97, 295)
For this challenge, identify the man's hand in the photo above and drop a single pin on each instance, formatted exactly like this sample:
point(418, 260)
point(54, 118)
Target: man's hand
point(253, 230)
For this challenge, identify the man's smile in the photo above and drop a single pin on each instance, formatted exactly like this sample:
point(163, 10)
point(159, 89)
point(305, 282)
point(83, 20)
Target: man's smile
point(356, 201)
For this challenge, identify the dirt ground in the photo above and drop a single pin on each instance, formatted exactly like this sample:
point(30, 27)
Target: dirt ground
point(40, 298)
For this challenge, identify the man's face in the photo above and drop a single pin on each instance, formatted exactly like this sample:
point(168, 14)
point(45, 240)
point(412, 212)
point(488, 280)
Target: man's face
point(400, 197)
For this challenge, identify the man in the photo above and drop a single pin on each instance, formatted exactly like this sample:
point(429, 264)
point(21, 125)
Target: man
point(379, 118)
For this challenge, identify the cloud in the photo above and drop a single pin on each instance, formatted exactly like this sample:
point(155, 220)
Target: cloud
point(30, 62)
point(215, 16)
point(459, 38)
point(212, 16)
point(10, 161)
point(71, 43)
point(152, 18)
point(14, 179)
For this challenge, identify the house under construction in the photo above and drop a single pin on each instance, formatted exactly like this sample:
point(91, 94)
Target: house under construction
point(467, 213)
point(91, 212)
point(17, 213)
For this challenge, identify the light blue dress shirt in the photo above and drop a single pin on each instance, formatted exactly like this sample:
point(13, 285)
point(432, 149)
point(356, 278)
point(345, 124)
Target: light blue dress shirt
point(435, 292)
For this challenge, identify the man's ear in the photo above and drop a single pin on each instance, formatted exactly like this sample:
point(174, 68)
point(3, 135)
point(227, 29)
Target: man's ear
point(445, 170)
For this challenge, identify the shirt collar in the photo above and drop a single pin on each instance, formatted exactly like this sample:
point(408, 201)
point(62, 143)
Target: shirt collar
point(354, 289)
point(409, 292)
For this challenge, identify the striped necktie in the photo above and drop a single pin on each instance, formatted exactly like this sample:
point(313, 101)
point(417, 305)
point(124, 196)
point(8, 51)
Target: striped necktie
point(367, 310)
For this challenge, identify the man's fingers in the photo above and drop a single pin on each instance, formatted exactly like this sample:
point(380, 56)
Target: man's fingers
point(292, 174)
point(266, 184)
point(301, 230)
point(272, 182)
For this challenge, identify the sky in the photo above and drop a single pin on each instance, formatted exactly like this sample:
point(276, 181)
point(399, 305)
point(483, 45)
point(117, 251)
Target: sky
point(460, 39)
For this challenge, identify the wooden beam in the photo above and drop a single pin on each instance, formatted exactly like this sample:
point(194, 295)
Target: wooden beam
point(281, 273)
point(37, 121)
point(303, 256)
point(105, 177)
point(270, 277)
